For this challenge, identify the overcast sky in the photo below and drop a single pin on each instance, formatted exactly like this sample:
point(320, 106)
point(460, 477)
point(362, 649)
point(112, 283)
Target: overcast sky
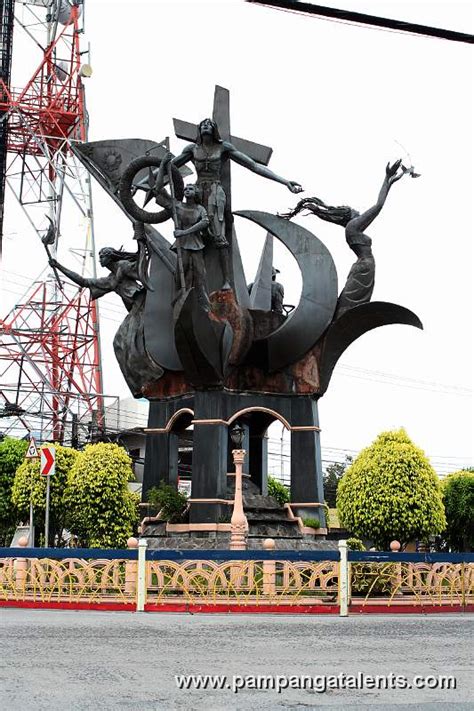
point(334, 100)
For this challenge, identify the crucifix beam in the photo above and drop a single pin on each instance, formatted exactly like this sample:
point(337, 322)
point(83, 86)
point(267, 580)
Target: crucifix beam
point(189, 131)
point(260, 153)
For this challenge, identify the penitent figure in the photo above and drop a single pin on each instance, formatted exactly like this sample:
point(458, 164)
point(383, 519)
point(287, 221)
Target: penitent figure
point(192, 223)
point(208, 154)
point(360, 281)
point(136, 364)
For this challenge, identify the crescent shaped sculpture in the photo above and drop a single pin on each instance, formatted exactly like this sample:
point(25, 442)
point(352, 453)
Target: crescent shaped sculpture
point(318, 299)
point(354, 323)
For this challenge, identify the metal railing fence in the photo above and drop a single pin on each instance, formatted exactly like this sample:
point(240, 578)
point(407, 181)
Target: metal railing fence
point(339, 581)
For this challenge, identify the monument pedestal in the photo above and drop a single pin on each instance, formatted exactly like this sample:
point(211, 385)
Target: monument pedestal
point(212, 414)
point(265, 517)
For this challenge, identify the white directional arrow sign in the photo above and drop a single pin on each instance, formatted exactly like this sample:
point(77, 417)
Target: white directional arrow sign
point(48, 461)
point(47, 469)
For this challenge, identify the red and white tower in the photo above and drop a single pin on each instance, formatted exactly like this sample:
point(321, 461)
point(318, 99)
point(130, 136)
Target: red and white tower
point(50, 370)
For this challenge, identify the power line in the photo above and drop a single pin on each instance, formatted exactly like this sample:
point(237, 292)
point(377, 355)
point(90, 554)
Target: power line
point(108, 309)
point(404, 381)
point(361, 18)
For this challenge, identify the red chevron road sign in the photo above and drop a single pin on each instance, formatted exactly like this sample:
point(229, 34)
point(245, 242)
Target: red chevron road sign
point(48, 461)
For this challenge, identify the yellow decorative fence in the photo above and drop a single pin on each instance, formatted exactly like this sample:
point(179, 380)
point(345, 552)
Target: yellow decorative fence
point(69, 580)
point(243, 582)
point(438, 583)
point(313, 581)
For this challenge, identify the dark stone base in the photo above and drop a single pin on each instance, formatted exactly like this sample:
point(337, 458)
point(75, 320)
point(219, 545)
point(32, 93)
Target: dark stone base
point(218, 540)
point(266, 519)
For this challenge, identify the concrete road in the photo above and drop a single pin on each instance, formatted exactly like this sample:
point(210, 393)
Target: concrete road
point(92, 660)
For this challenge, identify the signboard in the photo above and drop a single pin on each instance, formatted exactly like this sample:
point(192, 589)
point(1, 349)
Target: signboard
point(32, 451)
point(21, 532)
point(48, 461)
point(184, 487)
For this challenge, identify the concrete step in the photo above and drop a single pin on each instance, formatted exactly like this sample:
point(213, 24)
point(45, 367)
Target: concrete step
point(261, 502)
point(271, 516)
point(277, 529)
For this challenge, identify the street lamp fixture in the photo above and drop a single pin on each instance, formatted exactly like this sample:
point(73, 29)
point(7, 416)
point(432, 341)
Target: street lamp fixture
point(237, 436)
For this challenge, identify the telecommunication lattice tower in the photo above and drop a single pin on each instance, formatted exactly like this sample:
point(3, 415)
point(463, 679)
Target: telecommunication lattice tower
point(50, 369)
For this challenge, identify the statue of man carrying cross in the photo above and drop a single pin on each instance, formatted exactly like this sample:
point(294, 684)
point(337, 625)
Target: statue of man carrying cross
point(211, 151)
point(208, 154)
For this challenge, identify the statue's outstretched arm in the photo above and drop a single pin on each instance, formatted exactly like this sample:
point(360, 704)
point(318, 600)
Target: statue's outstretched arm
point(247, 162)
point(360, 223)
point(73, 276)
point(98, 286)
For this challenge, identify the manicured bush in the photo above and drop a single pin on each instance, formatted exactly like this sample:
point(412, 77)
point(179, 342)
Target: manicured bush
point(101, 510)
point(29, 482)
point(391, 492)
point(355, 544)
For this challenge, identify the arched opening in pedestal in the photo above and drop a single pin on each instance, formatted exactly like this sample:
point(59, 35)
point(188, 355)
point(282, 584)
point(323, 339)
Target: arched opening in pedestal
point(256, 422)
point(180, 450)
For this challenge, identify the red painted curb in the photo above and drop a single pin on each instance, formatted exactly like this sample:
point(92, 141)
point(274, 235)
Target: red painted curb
point(243, 609)
point(196, 608)
point(408, 609)
point(31, 604)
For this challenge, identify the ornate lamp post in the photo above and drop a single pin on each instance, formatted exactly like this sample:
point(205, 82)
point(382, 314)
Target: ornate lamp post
point(238, 522)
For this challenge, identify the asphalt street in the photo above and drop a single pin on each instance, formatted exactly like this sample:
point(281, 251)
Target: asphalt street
point(92, 660)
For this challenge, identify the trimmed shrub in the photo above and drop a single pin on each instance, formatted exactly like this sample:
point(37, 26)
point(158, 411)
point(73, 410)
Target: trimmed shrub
point(311, 522)
point(12, 454)
point(101, 510)
point(355, 544)
point(29, 482)
point(391, 492)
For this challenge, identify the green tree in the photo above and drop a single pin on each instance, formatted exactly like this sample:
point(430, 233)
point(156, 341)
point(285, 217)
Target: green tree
point(29, 482)
point(331, 479)
point(102, 511)
point(12, 453)
point(458, 497)
point(391, 492)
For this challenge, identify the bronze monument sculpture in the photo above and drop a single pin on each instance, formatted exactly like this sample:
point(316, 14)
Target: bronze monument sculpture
point(360, 281)
point(197, 342)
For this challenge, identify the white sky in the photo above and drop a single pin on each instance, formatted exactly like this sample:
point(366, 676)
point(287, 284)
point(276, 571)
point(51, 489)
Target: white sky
point(331, 99)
